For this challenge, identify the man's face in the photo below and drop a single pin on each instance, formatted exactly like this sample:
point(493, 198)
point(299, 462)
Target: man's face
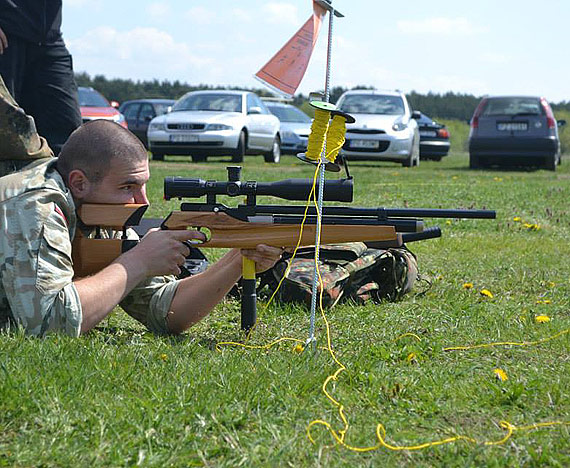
point(125, 182)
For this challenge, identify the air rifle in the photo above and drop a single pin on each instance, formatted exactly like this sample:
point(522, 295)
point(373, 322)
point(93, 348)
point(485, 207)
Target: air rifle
point(250, 223)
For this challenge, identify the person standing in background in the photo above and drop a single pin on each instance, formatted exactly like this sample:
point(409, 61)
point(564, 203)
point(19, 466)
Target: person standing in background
point(37, 67)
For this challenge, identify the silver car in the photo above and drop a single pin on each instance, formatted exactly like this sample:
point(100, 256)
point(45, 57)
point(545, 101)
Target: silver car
point(208, 123)
point(385, 127)
point(295, 127)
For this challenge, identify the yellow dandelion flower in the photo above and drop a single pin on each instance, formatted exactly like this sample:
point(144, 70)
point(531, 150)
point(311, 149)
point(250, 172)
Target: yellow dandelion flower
point(500, 374)
point(467, 285)
point(550, 284)
point(517, 219)
point(411, 357)
point(298, 349)
point(448, 222)
point(532, 226)
point(164, 357)
point(498, 179)
point(542, 319)
point(454, 177)
point(486, 292)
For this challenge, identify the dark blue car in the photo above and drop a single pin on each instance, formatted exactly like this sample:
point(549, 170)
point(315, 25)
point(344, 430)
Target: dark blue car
point(140, 112)
point(514, 130)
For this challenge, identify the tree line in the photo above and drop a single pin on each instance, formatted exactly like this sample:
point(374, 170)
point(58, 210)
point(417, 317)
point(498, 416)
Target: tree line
point(457, 106)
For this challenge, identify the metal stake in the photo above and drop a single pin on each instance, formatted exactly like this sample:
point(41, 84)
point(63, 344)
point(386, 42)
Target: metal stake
point(315, 291)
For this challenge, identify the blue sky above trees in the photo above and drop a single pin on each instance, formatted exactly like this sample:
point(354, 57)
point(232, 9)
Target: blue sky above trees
point(507, 47)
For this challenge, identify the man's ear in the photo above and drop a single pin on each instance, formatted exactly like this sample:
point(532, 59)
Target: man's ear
point(79, 184)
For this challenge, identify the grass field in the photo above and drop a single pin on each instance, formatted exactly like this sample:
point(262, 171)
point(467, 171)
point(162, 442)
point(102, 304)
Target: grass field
point(123, 397)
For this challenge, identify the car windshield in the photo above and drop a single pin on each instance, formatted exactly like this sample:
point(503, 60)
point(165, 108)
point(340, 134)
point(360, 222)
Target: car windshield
point(91, 98)
point(289, 114)
point(373, 104)
point(209, 102)
point(512, 106)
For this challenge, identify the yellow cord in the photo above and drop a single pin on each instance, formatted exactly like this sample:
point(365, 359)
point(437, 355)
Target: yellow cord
point(339, 435)
point(316, 141)
point(507, 343)
point(335, 137)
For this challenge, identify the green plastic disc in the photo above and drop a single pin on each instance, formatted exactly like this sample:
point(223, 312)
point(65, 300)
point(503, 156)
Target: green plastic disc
point(322, 105)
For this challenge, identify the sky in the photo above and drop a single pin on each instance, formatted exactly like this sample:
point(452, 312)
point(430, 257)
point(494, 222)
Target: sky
point(483, 47)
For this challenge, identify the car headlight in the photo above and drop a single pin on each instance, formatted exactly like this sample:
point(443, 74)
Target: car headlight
point(157, 126)
point(399, 126)
point(218, 127)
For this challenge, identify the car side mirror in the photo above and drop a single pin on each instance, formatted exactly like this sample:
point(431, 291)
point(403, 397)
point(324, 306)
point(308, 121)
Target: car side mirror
point(114, 104)
point(254, 110)
point(169, 109)
point(561, 123)
point(148, 118)
point(416, 115)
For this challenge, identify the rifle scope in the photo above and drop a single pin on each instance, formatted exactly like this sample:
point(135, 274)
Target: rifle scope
point(288, 189)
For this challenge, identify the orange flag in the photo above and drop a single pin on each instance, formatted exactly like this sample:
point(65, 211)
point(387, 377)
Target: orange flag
point(284, 72)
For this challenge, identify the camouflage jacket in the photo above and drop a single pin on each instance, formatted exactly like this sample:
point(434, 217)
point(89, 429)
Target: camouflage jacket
point(37, 225)
point(20, 144)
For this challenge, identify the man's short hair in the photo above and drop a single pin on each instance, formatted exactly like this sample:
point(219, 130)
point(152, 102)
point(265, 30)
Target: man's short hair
point(93, 146)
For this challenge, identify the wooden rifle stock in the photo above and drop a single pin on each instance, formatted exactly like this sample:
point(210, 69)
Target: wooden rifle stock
point(229, 232)
point(91, 255)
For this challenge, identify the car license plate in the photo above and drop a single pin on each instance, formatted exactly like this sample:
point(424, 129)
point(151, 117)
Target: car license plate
point(367, 144)
point(427, 133)
point(512, 126)
point(184, 138)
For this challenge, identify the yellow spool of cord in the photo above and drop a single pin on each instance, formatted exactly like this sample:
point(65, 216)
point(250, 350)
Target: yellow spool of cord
point(335, 137)
point(319, 129)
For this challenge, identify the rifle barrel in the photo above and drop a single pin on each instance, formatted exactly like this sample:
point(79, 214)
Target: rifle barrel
point(379, 213)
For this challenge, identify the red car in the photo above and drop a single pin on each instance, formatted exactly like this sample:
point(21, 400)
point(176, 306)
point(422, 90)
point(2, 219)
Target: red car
point(94, 106)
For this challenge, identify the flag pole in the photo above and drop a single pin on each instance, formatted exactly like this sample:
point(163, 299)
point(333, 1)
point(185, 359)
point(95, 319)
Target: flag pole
point(326, 4)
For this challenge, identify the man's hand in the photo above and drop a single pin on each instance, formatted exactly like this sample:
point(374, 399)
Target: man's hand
point(263, 255)
point(3, 41)
point(162, 252)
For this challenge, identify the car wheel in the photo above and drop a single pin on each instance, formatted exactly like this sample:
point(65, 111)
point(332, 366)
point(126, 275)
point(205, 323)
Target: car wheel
point(274, 156)
point(416, 150)
point(198, 158)
point(157, 156)
point(474, 162)
point(239, 152)
point(413, 158)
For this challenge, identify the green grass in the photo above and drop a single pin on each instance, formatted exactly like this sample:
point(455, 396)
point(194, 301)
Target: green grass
point(123, 397)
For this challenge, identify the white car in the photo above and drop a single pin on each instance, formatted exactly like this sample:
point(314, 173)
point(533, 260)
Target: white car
point(208, 123)
point(385, 127)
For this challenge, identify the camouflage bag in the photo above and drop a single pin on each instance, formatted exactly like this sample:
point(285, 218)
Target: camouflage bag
point(349, 272)
point(20, 143)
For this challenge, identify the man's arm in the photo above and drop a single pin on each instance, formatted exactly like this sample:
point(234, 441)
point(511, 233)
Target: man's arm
point(158, 253)
point(197, 295)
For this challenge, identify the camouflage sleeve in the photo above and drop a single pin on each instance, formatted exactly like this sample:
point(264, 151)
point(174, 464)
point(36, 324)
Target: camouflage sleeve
point(38, 270)
point(149, 302)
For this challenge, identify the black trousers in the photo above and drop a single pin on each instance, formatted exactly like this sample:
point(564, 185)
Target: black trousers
point(40, 78)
